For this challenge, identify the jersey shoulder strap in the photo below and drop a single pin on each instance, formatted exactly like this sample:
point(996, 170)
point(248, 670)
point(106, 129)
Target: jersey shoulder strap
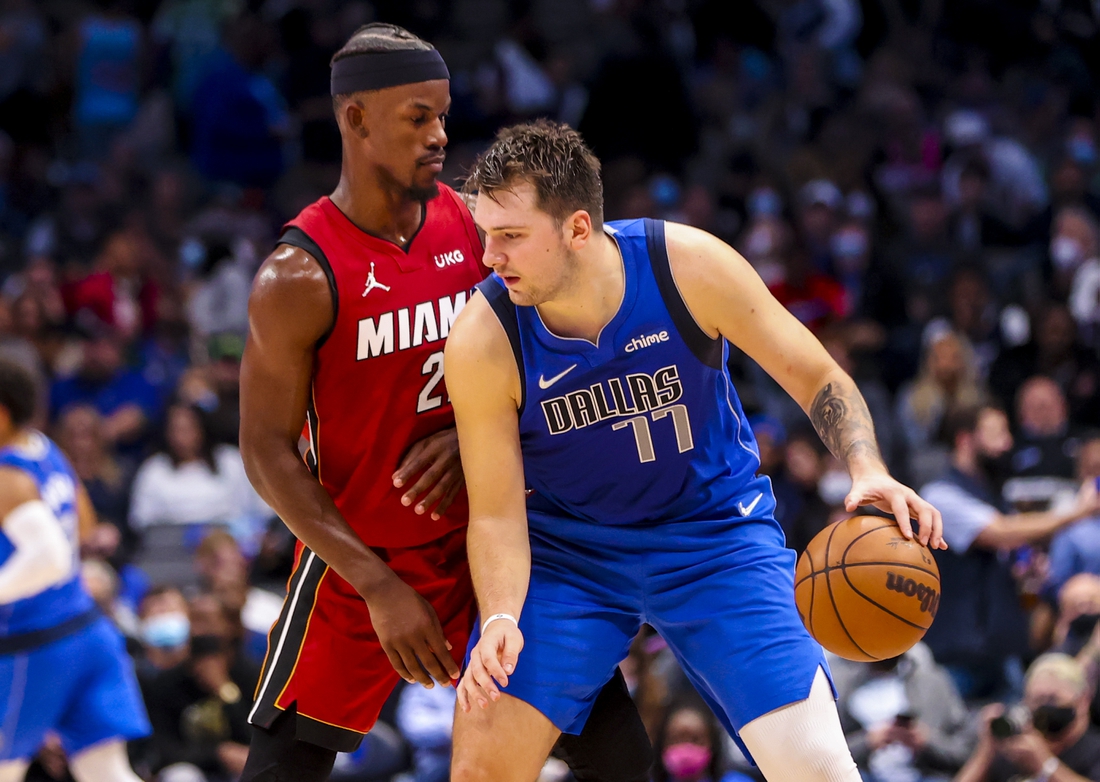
point(709, 351)
point(296, 237)
point(497, 296)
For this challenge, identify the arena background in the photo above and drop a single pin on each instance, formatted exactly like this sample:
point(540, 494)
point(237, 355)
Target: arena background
point(917, 180)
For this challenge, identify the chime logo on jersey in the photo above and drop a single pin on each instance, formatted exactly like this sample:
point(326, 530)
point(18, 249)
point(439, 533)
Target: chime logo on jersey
point(408, 327)
point(630, 395)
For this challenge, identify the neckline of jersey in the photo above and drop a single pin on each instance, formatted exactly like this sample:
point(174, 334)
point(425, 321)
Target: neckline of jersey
point(369, 238)
point(626, 304)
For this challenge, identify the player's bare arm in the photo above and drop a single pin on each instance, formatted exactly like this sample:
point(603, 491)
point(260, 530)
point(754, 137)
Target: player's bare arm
point(726, 297)
point(290, 309)
point(484, 385)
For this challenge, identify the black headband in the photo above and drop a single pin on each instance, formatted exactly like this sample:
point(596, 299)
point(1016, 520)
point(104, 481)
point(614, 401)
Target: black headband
point(378, 70)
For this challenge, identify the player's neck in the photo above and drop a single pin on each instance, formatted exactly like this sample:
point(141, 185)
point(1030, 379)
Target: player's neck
point(595, 296)
point(387, 212)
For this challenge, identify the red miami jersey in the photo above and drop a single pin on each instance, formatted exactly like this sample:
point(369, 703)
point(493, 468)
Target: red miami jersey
point(378, 382)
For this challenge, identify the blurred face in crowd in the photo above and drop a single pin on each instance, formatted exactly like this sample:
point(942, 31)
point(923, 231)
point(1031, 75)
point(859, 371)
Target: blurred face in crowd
point(1068, 182)
point(1054, 697)
point(1042, 408)
point(972, 187)
point(80, 433)
point(209, 617)
point(1056, 333)
point(1088, 460)
point(1079, 596)
point(102, 357)
point(688, 749)
point(121, 256)
point(26, 317)
point(803, 463)
point(992, 436)
point(528, 247)
point(400, 131)
point(164, 621)
point(1073, 239)
point(818, 222)
point(927, 217)
point(184, 433)
point(851, 248)
point(947, 361)
point(969, 301)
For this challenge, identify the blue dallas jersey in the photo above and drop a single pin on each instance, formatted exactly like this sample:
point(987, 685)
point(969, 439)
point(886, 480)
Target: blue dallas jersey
point(644, 426)
point(40, 458)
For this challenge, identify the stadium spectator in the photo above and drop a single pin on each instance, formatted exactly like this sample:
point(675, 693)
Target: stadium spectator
point(1056, 352)
point(903, 717)
point(1054, 742)
point(980, 632)
point(947, 381)
point(1078, 612)
point(164, 632)
point(119, 293)
point(689, 746)
point(1042, 458)
point(1077, 549)
point(199, 711)
point(193, 480)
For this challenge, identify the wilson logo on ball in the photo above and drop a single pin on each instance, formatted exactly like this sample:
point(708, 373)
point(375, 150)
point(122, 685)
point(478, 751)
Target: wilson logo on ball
point(928, 597)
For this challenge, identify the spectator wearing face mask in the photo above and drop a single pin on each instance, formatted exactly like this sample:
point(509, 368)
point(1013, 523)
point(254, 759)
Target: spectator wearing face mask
point(1074, 241)
point(1056, 744)
point(980, 631)
point(689, 747)
point(164, 631)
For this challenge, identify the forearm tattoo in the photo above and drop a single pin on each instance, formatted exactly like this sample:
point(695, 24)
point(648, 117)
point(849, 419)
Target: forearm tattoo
point(844, 424)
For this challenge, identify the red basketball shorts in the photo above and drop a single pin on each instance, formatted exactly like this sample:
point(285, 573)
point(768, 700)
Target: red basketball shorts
point(324, 656)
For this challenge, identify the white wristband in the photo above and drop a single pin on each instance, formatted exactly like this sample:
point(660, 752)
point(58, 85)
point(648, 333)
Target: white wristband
point(495, 617)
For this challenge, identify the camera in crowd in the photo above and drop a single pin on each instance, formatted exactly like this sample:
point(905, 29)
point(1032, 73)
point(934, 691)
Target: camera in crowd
point(1013, 722)
point(1050, 720)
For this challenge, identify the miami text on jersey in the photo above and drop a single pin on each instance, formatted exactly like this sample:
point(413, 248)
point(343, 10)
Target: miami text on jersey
point(408, 327)
point(630, 395)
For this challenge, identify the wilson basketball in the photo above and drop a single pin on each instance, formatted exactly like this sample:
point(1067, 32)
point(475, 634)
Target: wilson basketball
point(864, 591)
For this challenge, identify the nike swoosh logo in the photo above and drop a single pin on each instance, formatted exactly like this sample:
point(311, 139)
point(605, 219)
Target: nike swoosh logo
point(746, 511)
point(545, 384)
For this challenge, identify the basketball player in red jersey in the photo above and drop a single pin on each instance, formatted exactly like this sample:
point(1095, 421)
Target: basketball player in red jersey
point(348, 319)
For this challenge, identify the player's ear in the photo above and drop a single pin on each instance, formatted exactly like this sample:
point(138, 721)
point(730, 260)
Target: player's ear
point(355, 117)
point(578, 229)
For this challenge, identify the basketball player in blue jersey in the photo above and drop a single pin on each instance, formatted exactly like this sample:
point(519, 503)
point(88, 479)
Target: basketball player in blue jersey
point(612, 473)
point(63, 666)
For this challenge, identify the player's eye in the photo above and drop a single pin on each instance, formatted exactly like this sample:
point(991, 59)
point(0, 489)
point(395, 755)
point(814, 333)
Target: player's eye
point(511, 236)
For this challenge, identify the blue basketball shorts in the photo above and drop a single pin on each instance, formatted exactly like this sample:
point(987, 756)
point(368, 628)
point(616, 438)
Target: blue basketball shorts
point(82, 687)
point(721, 594)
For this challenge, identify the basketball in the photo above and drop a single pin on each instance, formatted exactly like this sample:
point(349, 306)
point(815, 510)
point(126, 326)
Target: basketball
point(864, 591)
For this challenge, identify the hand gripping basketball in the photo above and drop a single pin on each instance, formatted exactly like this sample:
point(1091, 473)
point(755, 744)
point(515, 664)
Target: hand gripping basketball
point(866, 592)
point(491, 661)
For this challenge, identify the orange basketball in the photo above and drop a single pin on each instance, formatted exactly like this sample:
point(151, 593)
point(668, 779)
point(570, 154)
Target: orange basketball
point(864, 591)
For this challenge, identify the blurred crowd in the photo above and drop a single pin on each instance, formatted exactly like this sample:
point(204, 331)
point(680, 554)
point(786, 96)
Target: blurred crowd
point(918, 181)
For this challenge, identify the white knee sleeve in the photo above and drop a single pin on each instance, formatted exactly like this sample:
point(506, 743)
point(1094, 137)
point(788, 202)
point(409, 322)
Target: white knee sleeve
point(106, 762)
point(802, 742)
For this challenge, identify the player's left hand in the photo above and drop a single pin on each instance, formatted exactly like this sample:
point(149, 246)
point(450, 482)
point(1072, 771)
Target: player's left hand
point(882, 491)
point(491, 661)
point(437, 457)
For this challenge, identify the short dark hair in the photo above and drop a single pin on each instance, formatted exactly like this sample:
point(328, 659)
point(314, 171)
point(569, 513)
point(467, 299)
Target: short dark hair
point(18, 394)
point(963, 420)
point(551, 156)
point(377, 37)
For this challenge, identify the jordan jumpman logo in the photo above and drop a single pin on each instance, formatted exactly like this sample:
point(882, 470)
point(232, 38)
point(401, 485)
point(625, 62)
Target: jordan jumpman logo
point(373, 283)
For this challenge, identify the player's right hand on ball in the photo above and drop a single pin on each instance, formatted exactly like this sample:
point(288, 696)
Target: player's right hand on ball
point(411, 635)
point(491, 661)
